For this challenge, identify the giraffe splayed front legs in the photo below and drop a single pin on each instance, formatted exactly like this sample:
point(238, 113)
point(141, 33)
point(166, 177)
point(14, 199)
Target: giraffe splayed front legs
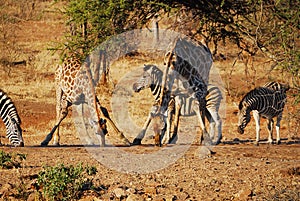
point(75, 86)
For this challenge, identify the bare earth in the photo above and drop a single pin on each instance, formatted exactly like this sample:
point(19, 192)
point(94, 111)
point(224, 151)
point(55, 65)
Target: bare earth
point(237, 170)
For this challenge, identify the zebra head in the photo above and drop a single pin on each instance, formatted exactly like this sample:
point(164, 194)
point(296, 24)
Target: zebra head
point(244, 116)
point(14, 132)
point(151, 77)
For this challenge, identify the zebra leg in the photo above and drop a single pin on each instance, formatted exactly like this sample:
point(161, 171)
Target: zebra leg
point(257, 124)
point(214, 122)
point(279, 117)
point(270, 130)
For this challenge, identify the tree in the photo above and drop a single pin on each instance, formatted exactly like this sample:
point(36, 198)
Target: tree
point(270, 27)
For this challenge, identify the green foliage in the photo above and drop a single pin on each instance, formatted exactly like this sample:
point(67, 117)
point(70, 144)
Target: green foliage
point(268, 27)
point(92, 22)
point(64, 182)
point(8, 160)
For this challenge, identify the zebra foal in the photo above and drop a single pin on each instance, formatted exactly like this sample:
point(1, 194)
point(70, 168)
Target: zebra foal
point(11, 119)
point(180, 100)
point(267, 102)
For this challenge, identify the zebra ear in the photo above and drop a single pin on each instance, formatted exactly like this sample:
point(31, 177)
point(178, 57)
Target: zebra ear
point(146, 67)
point(13, 120)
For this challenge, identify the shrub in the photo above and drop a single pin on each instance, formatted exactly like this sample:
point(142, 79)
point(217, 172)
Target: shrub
point(64, 182)
point(8, 160)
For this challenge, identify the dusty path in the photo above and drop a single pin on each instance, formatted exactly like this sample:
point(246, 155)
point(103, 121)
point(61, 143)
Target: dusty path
point(237, 171)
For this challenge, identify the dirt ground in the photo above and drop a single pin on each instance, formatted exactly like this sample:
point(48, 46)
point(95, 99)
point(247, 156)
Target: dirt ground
point(237, 170)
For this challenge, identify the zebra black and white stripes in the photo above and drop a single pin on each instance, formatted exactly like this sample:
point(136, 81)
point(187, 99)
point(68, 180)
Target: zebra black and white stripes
point(268, 102)
point(11, 119)
point(152, 78)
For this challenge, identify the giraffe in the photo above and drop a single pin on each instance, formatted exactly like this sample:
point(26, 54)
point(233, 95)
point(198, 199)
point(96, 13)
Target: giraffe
point(75, 86)
point(189, 62)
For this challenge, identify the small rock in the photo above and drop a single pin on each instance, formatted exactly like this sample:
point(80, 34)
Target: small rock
point(34, 196)
point(150, 190)
point(119, 192)
point(244, 194)
point(204, 152)
point(97, 199)
point(170, 198)
point(6, 189)
point(182, 195)
point(135, 197)
point(158, 198)
point(131, 190)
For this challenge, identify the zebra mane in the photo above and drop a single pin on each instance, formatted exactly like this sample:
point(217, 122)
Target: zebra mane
point(148, 66)
point(277, 86)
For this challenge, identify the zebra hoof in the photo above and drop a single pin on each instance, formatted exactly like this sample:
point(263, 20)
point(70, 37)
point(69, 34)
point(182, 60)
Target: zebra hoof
point(136, 141)
point(278, 142)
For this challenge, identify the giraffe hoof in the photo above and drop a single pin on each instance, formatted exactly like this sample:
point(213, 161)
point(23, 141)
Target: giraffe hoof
point(56, 144)
point(256, 143)
point(44, 144)
point(136, 141)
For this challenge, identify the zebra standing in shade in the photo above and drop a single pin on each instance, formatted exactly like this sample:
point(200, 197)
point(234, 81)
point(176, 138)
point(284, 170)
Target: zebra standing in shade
point(11, 120)
point(152, 78)
point(268, 102)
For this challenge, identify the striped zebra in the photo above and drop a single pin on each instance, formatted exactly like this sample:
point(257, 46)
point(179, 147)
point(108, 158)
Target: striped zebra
point(267, 102)
point(11, 120)
point(152, 78)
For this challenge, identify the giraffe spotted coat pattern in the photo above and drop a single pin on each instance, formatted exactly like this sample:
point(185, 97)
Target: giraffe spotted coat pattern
point(75, 86)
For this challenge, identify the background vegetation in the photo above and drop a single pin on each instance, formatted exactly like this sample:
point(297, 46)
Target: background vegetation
point(256, 27)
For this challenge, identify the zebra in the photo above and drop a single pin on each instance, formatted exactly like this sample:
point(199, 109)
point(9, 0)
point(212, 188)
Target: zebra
point(152, 78)
point(268, 102)
point(11, 119)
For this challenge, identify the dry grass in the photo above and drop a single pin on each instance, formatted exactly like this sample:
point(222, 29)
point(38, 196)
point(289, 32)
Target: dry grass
point(235, 172)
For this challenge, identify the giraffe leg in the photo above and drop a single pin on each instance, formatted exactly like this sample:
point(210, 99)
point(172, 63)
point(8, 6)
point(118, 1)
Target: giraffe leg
point(105, 113)
point(61, 113)
point(166, 135)
point(138, 139)
point(257, 125)
point(205, 139)
point(173, 138)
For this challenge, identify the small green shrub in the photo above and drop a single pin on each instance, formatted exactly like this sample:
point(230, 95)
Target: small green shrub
point(8, 160)
point(64, 182)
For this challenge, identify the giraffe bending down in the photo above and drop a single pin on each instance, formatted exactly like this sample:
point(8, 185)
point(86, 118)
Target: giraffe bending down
point(190, 63)
point(152, 78)
point(75, 86)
